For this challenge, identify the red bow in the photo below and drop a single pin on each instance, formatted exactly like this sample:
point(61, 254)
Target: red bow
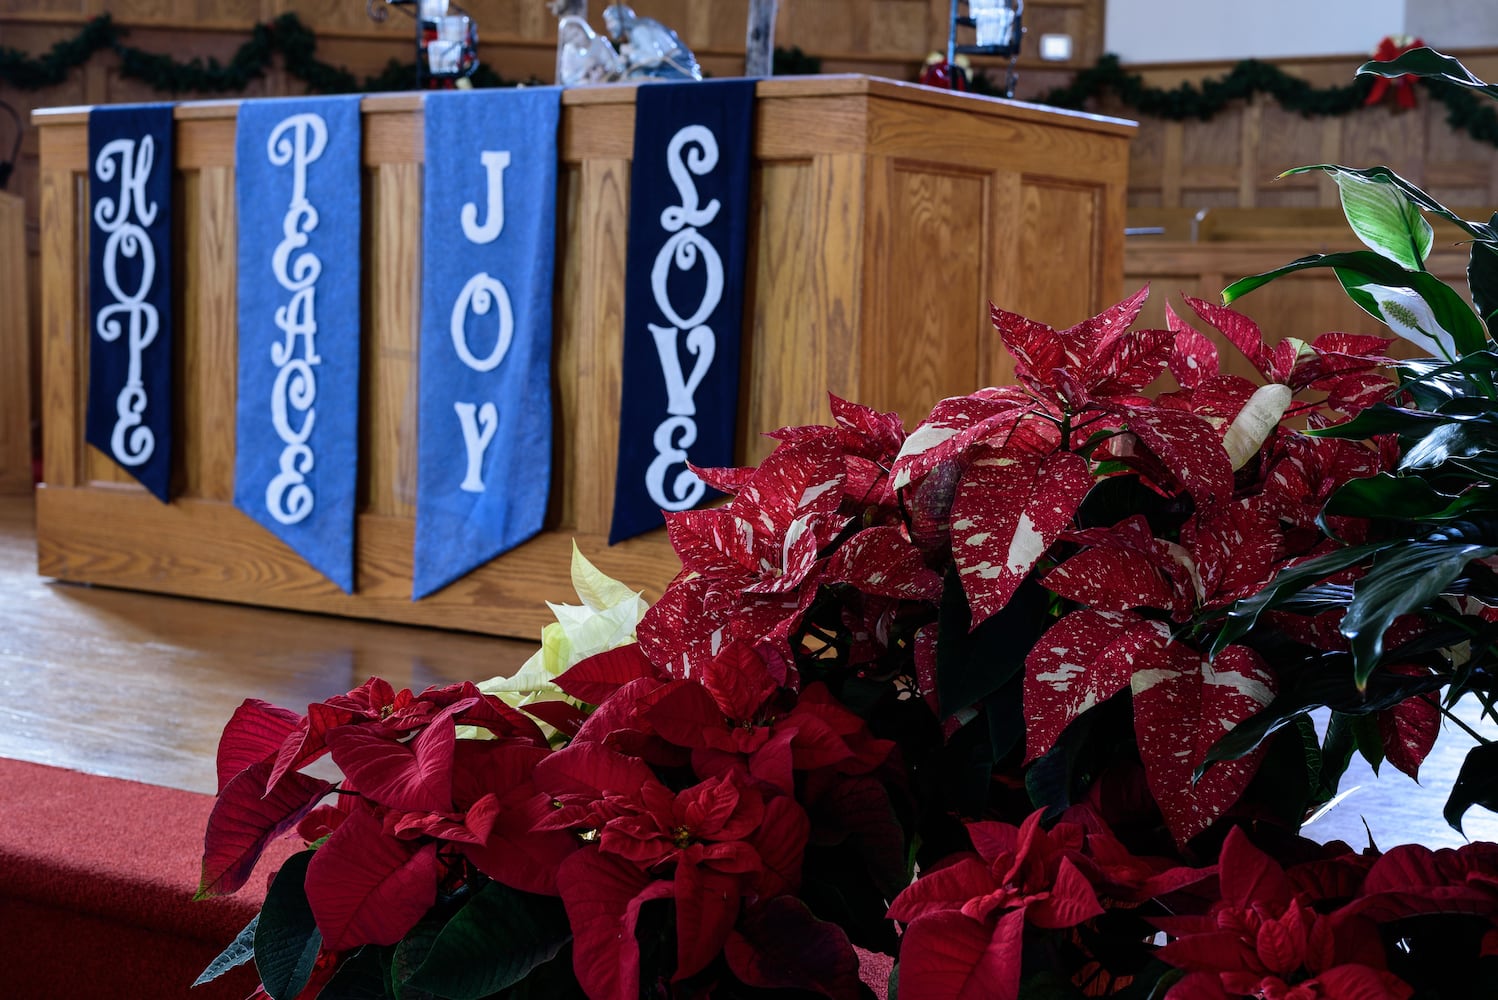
point(1402, 87)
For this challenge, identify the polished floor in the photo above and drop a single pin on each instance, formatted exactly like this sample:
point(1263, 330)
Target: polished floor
point(139, 686)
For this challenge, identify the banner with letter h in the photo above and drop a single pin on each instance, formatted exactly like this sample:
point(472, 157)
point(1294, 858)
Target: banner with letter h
point(488, 243)
point(130, 279)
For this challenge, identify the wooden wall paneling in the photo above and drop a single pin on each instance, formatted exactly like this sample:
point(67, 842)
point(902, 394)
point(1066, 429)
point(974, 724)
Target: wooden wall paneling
point(15, 349)
point(207, 336)
point(64, 151)
point(855, 180)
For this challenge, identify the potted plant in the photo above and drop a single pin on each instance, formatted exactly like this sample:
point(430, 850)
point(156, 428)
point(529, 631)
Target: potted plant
point(1017, 700)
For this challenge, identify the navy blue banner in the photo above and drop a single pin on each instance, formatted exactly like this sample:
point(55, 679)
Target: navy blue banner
point(684, 295)
point(297, 412)
point(483, 463)
point(130, 290)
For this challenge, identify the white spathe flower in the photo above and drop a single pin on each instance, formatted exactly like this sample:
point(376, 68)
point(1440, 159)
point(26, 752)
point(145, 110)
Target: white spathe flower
point(1410, 316)
point(606, 620)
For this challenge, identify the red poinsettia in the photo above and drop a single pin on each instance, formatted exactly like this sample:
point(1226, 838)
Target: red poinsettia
point(1265, 940)
point(967, 917)
point(718, 850)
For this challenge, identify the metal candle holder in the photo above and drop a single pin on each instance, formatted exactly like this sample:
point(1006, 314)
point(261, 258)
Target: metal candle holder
point(446, 36)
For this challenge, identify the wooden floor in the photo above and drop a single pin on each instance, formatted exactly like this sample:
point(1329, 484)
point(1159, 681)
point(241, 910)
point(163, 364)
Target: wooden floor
point(139, 686)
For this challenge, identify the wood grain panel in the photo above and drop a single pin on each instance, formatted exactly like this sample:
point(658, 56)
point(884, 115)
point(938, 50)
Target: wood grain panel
point(15, 349)
point(1059, 228)
point(925, 344)
point(875, 242)
point(387, 397)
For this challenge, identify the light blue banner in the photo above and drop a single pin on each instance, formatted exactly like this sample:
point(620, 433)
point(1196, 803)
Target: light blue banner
point(488, 248)
point(297, 414)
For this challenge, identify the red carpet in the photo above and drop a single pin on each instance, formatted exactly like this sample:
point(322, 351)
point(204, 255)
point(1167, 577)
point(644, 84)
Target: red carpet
point(96, 883)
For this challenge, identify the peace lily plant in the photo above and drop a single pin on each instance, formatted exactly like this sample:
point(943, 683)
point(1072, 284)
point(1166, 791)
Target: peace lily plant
point(1019, 699)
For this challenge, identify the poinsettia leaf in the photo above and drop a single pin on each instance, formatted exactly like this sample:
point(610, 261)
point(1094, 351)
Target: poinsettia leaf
point(593, 679)
point(713, 540)
point(369, 888)
point(949, 956)
point(287, 939)
point(782, 945)
point(1181, 703)
point(1409, 731)
point(1089, 341)
point(239, 951)
point(1404, 578)
point(245, 818)
point(884, 430)
point(1131, 361)
point(1071, 902)
point(1082, 661)
point(1009, 510)
point(798, 481)
point(882, 560)
point(955, 425)
point(414, 776)
point(254, 732)
point(1037, 349)
point(591, 769)
point(563, 716)
point(1476, 784)
point(1240, 331)
point(1188, 447)
point(463, 963)
point(1110, 579)
point(603, 897)
point(1193, 357)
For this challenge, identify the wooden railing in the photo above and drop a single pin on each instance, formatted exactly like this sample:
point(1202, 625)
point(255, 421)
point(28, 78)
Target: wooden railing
point(15, 350)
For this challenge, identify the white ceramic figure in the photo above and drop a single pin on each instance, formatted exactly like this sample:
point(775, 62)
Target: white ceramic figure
point(648, 47)
point(583, 55)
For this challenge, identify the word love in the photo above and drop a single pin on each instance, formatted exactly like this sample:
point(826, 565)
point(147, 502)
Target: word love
point(125, 219)
point(678, 431)
point(481, 295)
point(296, 142)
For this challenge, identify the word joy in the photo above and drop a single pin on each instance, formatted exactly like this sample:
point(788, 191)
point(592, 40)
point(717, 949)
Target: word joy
point(481, 295)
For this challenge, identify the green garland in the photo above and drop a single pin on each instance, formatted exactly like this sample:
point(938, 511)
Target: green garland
point(1464, 113)
point(286, 36)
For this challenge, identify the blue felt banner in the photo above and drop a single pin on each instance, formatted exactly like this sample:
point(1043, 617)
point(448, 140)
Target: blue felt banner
point(297, 413)
point(130, 290)
point(483, 465)
point(684, 295)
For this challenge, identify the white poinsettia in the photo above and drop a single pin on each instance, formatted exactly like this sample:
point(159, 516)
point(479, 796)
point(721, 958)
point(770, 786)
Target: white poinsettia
point(606, 620)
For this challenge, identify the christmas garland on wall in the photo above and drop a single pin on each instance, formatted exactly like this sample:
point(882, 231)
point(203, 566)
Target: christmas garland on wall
point(286, 36)
point(1464, 113)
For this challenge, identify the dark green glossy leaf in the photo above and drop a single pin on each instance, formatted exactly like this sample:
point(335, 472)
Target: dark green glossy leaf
point(1381, 418)
point(287, 939)
point(1482, 280)
point(1336, 754)
point(1476, 784)
point(240, 951)
point(1389, 496)
point(1404, 578)
point(492, 943)
point(970, 666)
point(1244, 614)
point(1456, 439)
point(1368, 740)
point(410, 952)
point(1427, 62)
point(364, 975)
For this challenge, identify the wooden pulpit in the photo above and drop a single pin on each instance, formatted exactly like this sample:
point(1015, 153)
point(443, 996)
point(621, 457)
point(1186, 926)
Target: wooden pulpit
point(886, 217)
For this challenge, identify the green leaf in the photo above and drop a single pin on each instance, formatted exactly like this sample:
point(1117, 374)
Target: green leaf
point(492, 943)
point(1403, 579)
point(410, 953)
point(1244, 614)
point(287, 939)
point(1482, 280)
point(1381, 418)
point(1414, 304)
point(970, 666)
point(240, 951)
point(1385, 220)
point(1456, 439)
point(1427, 62)
point(1476, 784)
point(1416, 196)
point(1369, 741)
point(1336, 754)
point(1385, 496)
point(364, 975)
